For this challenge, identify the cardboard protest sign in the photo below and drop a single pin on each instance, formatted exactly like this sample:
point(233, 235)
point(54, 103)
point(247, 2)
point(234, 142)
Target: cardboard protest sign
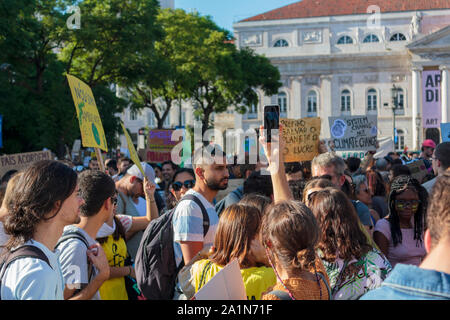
point(20, 161)
point(445, 132)
point(418, 170)
point(133, 154)
point(386, 145)
point(354, 132)
point(302, 138)
point(92, 134)
point(160, 145)
point(227, 284)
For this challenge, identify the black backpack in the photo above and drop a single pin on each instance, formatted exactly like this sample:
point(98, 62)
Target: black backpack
point(156, 269)
point(26, 251)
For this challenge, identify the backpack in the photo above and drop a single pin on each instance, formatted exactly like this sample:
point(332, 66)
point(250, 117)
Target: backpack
point(26, 251)
point(156, 269)
point(73, 234)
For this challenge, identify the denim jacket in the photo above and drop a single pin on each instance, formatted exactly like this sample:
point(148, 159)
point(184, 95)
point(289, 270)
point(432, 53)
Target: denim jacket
point(408, 282)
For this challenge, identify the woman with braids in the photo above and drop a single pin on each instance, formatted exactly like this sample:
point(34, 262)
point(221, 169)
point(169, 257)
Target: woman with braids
point(400, 235)
point(353, 265)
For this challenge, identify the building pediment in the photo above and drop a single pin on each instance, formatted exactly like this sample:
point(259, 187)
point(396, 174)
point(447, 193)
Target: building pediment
point(439, 40)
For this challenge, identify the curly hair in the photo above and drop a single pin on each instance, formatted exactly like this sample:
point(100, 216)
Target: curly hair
point(37, 192)
point(292, 230)
point(341, 235)
point(438, 216)
point(398, 186)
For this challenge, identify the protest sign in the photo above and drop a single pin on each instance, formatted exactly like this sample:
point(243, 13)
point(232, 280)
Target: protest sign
point(227, 284)
point(418, 170)
point(445, 132)
point(92, 134)
point(354, 132)
point(20, 161)
point(160, 145)
point(302, 138)
point(386, 145)
point(431, 95)
point(133, 154)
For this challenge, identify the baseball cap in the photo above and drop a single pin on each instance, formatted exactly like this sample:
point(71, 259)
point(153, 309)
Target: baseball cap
point(429, 143)
point(149, 172)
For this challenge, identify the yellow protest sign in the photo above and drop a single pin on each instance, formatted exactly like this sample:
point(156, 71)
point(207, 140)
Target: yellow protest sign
point(92, 134)
point(302, 138)
point(133, 154)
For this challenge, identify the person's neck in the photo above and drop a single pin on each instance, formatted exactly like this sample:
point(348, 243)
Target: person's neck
point(91, 224)
point(439, 257)
point(121, 187)
point(205, 191)
point(48, 233)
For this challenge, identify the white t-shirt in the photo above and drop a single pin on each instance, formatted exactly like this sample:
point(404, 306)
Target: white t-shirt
point(188, 224)
point(74, 260)
point(34, 279)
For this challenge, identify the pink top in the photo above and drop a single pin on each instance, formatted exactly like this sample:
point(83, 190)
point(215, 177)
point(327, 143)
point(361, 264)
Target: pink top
point(406, 252)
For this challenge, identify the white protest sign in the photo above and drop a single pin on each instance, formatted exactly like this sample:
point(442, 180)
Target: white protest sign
point(227, 284)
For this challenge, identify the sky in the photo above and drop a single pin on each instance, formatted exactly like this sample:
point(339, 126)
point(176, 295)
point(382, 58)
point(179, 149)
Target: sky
point(227, 12)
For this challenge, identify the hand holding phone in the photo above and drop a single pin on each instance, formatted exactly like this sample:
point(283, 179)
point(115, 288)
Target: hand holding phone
point(271, 120)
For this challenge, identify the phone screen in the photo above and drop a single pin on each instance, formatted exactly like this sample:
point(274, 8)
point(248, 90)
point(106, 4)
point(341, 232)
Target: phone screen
point(271, 120)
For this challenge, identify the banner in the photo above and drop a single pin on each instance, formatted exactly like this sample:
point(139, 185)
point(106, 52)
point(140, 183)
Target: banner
point(354, 132)
point(445, 132)
point(20, 161)
point(431, 96)
point(302, 138)
point(160, 145)
point(133, 154)
point(92, 134)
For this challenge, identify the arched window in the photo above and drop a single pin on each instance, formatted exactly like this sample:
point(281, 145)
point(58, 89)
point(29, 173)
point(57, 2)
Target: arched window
point(398, 37)
point(281, 43)
point(151, 119)
point(133, 115)
point(345, 100)
point(399, 102)
point(372, 102)
point(312, 104)
point(345, 40)
point(371, 38)
point(282, 102)
point(400, 140)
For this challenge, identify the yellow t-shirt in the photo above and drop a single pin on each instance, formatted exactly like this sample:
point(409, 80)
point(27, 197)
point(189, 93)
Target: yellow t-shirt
point(116, 253)
point(256, 279)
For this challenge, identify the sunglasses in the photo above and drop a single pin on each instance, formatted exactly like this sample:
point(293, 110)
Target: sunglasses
point(402, 204)
point(176, 186)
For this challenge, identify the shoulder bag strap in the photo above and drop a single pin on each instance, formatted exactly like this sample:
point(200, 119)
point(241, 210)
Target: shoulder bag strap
point(203, 209)
point(322, 276)
point(203, 277)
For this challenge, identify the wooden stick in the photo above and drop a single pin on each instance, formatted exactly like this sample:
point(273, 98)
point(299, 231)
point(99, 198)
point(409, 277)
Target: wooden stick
point(100, 159)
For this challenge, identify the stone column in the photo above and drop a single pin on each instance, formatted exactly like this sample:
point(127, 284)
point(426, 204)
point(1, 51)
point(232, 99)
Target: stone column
point(416, 104)
point(296, 97)
point(445, 93)
point(325, 104)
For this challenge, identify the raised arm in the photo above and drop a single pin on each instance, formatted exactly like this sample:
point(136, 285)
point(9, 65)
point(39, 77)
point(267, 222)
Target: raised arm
point(275, 157)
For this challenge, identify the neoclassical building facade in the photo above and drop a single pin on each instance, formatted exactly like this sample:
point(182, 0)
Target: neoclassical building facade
point(336, 60)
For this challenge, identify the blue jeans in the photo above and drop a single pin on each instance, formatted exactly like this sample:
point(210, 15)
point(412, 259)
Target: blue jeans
point(408, 282)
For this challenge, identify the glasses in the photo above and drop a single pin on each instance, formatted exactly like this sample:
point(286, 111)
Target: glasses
point(402, 204)
point(114, 200)
point(176, 186)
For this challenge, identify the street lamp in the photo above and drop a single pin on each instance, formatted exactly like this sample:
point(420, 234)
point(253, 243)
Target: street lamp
point(394, 94)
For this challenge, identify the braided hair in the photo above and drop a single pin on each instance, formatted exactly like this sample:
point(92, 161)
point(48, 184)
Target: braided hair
point(398, 186)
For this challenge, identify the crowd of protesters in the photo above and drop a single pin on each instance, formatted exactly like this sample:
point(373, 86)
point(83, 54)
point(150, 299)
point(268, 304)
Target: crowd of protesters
point(323, 229)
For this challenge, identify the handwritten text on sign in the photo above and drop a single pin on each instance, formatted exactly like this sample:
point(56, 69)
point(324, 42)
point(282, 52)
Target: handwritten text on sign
point(354, 132)
point(302, 138)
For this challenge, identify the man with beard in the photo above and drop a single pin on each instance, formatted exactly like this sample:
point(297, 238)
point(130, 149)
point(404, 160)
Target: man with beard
point(211, 175)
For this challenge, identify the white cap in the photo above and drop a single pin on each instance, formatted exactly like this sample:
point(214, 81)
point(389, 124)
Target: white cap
point(149, 172)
